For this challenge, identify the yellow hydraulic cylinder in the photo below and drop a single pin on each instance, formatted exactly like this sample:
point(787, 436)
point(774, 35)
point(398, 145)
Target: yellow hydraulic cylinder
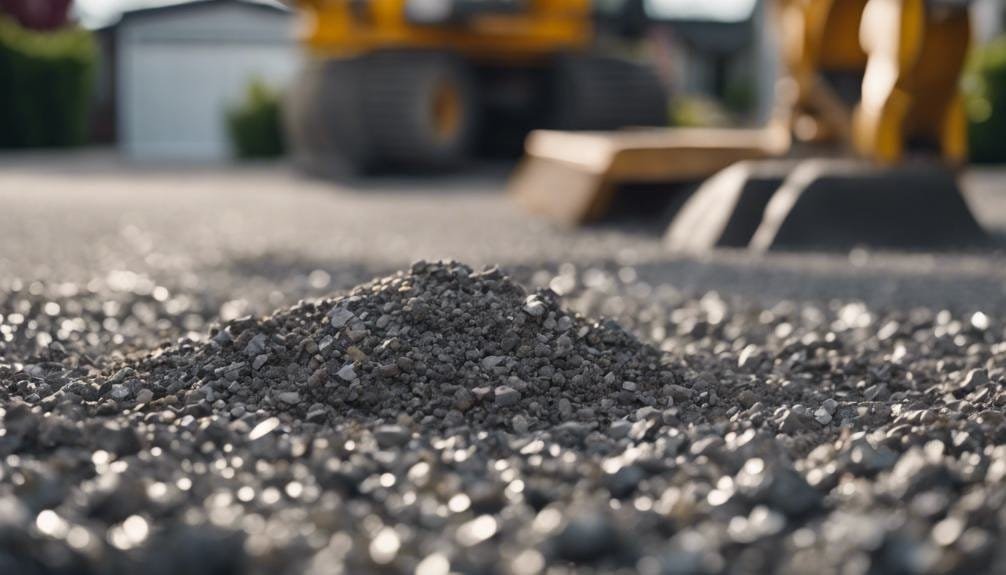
point(911, 90)
point(824, 64)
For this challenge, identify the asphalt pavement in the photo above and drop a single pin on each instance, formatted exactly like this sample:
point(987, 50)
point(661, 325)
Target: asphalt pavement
point(235, 230)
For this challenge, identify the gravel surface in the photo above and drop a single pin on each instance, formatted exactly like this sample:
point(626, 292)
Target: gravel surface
point(792, 414)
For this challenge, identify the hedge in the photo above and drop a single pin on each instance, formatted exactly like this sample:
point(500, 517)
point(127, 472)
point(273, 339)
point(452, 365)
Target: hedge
point(45, 86)
point(985, 88)
point(255, 124)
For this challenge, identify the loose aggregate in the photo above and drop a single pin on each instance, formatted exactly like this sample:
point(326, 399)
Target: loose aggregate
point(443, 419)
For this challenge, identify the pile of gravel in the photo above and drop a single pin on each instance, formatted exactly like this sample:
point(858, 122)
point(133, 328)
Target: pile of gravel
point(438, 347)
point(444, 420)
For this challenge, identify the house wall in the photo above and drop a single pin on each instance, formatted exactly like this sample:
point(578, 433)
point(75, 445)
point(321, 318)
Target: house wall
point(180, 69)
point(989, 18)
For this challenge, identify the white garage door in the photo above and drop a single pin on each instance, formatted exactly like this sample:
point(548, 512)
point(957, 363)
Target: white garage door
point(175, 88)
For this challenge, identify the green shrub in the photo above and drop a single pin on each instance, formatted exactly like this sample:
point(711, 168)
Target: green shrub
point(255, 125)
point(985, 89)
point(698, 112)
point(45, 85)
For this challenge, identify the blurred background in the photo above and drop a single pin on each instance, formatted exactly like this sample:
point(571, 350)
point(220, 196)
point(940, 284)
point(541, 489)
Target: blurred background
point(203, 80)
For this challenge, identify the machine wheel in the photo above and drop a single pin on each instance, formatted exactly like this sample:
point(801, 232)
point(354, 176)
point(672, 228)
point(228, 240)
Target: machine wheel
point(384, 111)
point(420, 108)
point(311, 142)
point(596, 92)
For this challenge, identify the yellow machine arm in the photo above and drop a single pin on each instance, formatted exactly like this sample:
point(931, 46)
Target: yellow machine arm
point(911, 90)
point(825, 65)
point(879, 75)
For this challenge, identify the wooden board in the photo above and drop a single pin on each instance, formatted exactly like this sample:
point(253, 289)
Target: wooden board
point(572, 177)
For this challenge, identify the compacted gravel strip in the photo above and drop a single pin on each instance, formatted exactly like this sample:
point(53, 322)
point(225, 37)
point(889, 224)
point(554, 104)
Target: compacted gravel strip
point(445, 420)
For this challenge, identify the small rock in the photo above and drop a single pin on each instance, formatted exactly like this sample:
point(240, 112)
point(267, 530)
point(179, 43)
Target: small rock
point(119, 391)
point(680, 393)
point(587, 538)
point(391, 436)
point(564, 324)
point(623, 483)
point(222, 338)
point(534, 307)
point(356, 354)
point(974, 379)
point(492, 361)
point(619, 429)
point(405, 364)
point(120, 376)
point(463, 400)
point(520, 424)
point(572, 431)
point(317, 413)
point(289, 397)
point(565, 408)
point(822, 416)
point(325, 343)
point(388, 370)
point(340, 316)
point(256, 345)
point(264, 428)
point(347, 373)
point(259, 361)
point(876, 392)
point(118, 439)
point(791, 422)
point(506, 396)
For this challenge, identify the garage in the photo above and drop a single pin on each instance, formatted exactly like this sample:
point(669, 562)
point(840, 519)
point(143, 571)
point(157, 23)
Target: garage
point(181, 66)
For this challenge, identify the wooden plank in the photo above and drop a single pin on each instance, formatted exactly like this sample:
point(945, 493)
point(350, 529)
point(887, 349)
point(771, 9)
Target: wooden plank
point(571, 177)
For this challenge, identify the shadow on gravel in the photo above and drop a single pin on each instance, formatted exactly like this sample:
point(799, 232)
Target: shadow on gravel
point(889, 281)
point(648, 210)
point(645, 209)
point(481, 178)
point(956, 281)
point(922, 281)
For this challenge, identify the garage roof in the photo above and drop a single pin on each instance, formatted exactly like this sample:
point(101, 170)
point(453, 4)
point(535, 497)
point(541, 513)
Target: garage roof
point(107, 13)
point(719, 11)
point(200, 4)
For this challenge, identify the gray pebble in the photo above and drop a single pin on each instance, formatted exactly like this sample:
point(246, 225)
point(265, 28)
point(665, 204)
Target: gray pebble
point(506, 396)
point(391, 436)
point(347, 373)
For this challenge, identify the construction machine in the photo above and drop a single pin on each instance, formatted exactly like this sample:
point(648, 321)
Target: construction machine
point(420, 84)
point(868, 130)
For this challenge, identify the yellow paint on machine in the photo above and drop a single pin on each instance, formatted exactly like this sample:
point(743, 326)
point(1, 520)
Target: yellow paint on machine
point(540, 28)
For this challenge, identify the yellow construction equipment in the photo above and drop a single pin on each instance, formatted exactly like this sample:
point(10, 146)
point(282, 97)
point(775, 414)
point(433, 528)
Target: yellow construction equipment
point(907, 128)
point(573, 178)
point(911, 95)
point(824, 62)
point(421, 83)
point(804, 108)
point(869, 79)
